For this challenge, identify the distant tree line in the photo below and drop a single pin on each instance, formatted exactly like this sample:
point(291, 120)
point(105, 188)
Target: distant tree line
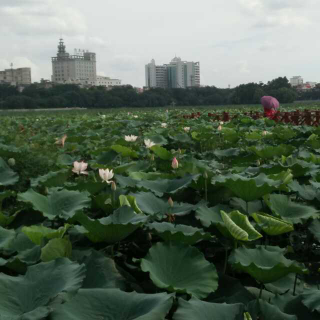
point(69, 96)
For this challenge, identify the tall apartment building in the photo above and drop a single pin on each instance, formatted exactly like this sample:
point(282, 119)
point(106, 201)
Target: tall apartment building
point(176, 74)
point(78, 67)
point(107, 82)
point(20, 76)
point(296, 81)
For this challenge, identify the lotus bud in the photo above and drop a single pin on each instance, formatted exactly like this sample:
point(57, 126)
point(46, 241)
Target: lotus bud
point(113, 186)
point(149, 236)
point(220, 127)
point(152, 157)
point(170, 201)
point(11, 162)
point(258, 163)
point(264, 133)
point(179, 151)
point(205, 175)
point(175, 163)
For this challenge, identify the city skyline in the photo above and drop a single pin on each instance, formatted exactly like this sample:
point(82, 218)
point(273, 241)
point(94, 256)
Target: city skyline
point(236, 42)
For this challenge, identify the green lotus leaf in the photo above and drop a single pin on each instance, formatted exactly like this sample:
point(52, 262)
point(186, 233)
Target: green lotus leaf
point(124, 151)
point(307, 192)
point(290, 211)
point(260, 309)
point(314, 228)
point(265, 264)
point(232, 152)
point(239, 226)
point(129, 201)
point(62, 203)
point(161, 186)
point(284, 133)
point(197, 309)
point(252, 206)
point(293, 305)
point(161, 152)
point(101, 271)
point(37, 233)
point(150, 204)
point(9, 151)
point(298, 167)
point(248, 189)
point(113, 228)
point(180, 233)
point(149, 175)
point(56, 248)
point(311, 300)
point(286, 284)
point(211, 216)
point(7, 176)
point(6, 194)
point(271, 225)
point(52, 179)
point(113, 304)
point(247, 316)
point(180, 268)
point(28, 297)
point(285, 178)
point(6, 239)
point(268, 152)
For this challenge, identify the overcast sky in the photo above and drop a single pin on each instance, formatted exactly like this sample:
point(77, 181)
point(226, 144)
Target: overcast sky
point(235, 41)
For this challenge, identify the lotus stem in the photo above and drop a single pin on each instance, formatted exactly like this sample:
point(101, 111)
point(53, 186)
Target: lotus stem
point(261, 288)
point(295, 284)
point(206, 189)
point(247, 207)
point(225, 262)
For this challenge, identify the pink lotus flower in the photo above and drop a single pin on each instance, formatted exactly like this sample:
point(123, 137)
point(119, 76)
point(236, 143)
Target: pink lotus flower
point(80, 167)
point(106, 175)
point(175, 163)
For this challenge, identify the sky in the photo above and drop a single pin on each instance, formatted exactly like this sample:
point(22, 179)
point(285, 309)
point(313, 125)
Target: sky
point(235, 41)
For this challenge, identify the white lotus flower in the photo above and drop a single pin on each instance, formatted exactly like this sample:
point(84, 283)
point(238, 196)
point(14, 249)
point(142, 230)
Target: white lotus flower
point(135, 116)
point(103, 116)
point(149, 143)
point(186, 129)
point(131, 138)
point(219, 128)
point(264, 133)
point(80, 167)
point(106, 175)
point(164, 125)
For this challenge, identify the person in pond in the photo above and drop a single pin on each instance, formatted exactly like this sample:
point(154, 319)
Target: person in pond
point(270, 106)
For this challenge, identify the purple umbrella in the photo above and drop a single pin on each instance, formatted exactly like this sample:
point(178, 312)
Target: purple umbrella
point(269, 102)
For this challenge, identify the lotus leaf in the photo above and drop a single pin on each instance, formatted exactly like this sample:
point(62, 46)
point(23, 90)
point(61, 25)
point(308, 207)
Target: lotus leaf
point(124, 151)
point(271, 225)
point(265, 264)
point(180, 268)
point(307, 192)
point(52, 179)
point(290, 211)
point(268, 152)
point(161, 152)
point(239, 226)
point(159, 187)
point(62, 203)
point(315, 229)
point(37, 233)
point(28, 297)
point(180, 233)
point(7, 175)
point(113, 304)
point(113, 228)
point(211, 216)
point(56, 248)
point(197, 309)
point(248, 189)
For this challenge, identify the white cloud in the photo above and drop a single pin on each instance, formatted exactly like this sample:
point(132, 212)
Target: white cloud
point(243, 67)
point(36, 18)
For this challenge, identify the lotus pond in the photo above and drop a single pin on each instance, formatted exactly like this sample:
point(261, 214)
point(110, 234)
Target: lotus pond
point(148, 215)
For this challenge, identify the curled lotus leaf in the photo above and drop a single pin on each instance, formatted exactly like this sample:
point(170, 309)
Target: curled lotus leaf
point(7, 176)
point(180, 268)
point(272, 225)
point(239, 226)
point(265, 264)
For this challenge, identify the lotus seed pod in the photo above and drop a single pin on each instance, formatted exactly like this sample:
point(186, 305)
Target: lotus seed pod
point(11, 162)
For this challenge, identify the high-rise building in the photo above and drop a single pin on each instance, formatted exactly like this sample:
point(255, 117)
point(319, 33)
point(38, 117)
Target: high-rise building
point(72, 68)
point(176, 74)
point(296, 81)
point(20, 76)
